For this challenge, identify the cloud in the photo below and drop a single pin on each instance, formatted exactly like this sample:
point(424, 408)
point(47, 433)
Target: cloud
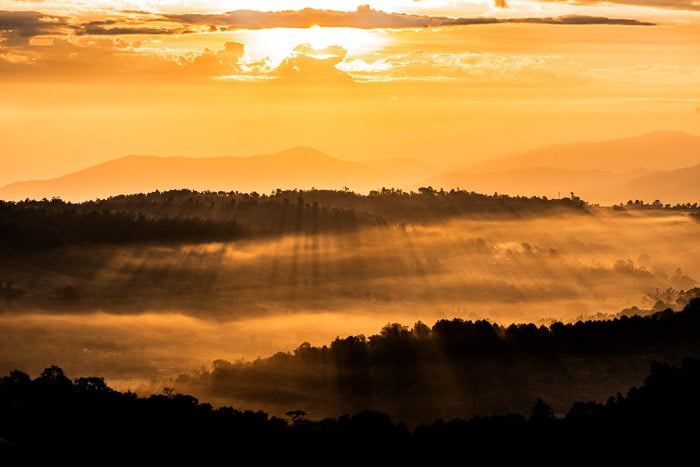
point(424, 66)
point(112, 27)
point(362, 17)
point(118, 59)
point(132, 22)
point(307, 63)
point(18, 27)
point(365, 18)
point(583, 19)
point(215, 63)
point(99, 58)
point(692, 5)
point(34, 44)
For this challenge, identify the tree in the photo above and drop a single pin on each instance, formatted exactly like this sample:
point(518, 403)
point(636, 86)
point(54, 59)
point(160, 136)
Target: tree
point(53, 375)
point(296, 415)
point(92, 384)
point(541, 412)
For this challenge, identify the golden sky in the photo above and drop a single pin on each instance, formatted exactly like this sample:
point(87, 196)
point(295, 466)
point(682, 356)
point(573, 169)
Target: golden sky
point(450, 82)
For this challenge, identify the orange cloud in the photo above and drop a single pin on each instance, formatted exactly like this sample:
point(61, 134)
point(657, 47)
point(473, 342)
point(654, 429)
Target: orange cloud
point(222, 62)
point(117, 59)
point(307, 63)
point(665, 4)
point(364, 17)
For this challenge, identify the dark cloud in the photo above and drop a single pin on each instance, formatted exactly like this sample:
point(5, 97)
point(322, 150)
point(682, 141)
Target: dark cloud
point(583, 19)
point(120, 30)
point(17, 27)
point(364, 17)
point(136, 23)
point(692, 5)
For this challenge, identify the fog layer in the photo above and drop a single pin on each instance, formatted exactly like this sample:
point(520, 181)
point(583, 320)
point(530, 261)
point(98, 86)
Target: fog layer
point(139, 315)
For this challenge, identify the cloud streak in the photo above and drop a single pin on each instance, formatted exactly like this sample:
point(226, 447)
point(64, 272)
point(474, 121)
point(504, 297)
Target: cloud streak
point(367, 18)
point(691, 5)
point(17, 27)
point(35, 44)
point(114, 27)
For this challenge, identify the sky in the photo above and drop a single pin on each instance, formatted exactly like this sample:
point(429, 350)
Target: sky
point(450, 82)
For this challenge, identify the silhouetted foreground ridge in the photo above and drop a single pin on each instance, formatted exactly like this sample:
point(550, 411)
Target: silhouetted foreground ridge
point(457, 368)
point(85, 421)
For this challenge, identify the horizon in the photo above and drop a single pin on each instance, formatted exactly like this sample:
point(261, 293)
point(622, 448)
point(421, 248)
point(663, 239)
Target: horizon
point(284, 150)
point(606, 172)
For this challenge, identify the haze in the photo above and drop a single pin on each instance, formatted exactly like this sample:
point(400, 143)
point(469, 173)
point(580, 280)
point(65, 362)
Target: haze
point(141, 314)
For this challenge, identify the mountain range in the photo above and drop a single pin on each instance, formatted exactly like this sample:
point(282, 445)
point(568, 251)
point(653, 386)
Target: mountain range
point(663, 165)
point(299, 167)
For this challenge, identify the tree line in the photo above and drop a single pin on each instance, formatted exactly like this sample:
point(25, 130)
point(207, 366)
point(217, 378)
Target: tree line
point(458, 367)
point(186, 216)
point(53, 418)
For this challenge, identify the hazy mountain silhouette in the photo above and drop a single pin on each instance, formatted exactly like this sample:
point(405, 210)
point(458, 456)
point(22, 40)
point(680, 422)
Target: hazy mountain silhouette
point(669, 186)
point(660, 165)
point(300, 167)
point(660, 150)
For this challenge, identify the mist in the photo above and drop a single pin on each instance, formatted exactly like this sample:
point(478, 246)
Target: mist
point(141, 315)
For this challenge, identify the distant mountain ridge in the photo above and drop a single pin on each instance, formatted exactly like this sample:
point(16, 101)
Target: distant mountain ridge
point(299, 167)
point(658, 150)
point(662, 165)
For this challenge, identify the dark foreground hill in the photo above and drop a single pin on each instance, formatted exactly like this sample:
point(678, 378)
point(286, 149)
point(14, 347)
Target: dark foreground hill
point(457, 368)
point(55, 419)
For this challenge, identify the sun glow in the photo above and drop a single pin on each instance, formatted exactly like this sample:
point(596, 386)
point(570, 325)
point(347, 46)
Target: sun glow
point(276, 44)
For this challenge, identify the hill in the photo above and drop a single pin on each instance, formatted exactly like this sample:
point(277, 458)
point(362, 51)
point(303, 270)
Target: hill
point(670, 186)
point(458, 368)
point(659, 165)
point(53, 414)
point(658, 150)
point(296, 168)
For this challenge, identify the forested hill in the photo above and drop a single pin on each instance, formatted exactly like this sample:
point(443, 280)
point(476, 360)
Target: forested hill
point(458, 368)
point(190, 216)
point(52, 417)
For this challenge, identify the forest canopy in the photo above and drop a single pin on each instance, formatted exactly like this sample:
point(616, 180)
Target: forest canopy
point(178, 216)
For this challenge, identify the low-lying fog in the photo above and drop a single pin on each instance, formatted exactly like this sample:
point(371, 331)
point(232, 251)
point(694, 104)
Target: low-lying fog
point(140, 315)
